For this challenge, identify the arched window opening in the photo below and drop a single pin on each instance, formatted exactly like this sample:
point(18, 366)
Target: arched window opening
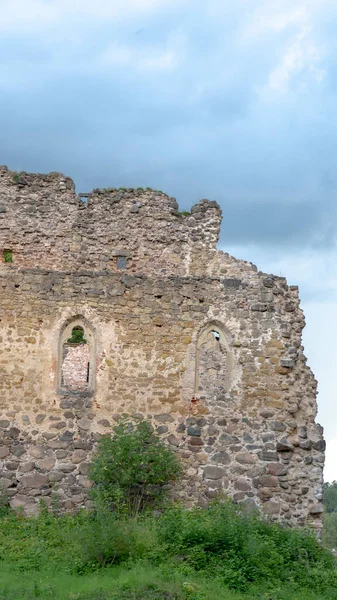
point(8, 256)
point(76, 358)
point(213, 363)
point(77, 336)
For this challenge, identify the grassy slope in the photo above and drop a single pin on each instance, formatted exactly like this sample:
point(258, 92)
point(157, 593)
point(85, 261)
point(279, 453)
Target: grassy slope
point(138, 583)
point(185, 555)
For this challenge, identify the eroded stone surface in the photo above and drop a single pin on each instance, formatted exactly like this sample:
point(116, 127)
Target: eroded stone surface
point(204, 345)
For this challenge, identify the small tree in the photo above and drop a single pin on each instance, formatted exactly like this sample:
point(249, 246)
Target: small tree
point(330, 497)
point(131, 469)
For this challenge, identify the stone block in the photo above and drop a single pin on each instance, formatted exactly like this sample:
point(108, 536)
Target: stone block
point(214, 472)
point(78, 456)
point(18, 450)
point(271, 507)
point(256, 471)
point(226, 438)
point(268, 481)
point(67, 436)
point(40, 418)
point(27, 467)
point(14, 432)
point(37, 451)
point(195, 441)
point(34, 480)
point(277, 469)
point(84, 424)
point(316, 509)
point(46, 463)
point(246, 458)
point(56, 476)
point(4, 451)
point(173, 440)
point(66, 467)
point(12, 465)
point(84, 468)
point(242, 485)
point(267, 456)
point(221, 458)
point(28, 505)
point(267, 413)
point(305, 445)
point(284, 446)
point(194, 431)
point(161, 429)
point(277, 426)
point(85, 482)
point(320, 446)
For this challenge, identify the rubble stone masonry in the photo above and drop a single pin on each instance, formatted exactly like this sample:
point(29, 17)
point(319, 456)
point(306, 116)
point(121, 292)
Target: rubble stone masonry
point(202, 344)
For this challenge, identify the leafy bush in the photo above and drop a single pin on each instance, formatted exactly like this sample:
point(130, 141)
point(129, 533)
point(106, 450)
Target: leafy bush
point(8, 256)
point(28, 543)
point(77, 336)
point(105, 540)
point(225, 542)
point(131, 469)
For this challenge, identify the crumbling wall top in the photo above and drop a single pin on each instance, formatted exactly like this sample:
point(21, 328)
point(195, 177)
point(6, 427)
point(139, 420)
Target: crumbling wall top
point(46, 224)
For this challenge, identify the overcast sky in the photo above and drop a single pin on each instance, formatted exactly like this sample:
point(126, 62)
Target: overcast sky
point(233, 101)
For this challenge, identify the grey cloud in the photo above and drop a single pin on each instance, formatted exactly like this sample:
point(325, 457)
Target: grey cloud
point(198, 131)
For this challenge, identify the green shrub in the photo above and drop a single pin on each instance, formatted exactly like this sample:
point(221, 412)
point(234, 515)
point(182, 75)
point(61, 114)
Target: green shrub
point(77, 336)
point(8, 256)
point(239, 549)
point(27, 544)
point(131, 469)
point(105, 540)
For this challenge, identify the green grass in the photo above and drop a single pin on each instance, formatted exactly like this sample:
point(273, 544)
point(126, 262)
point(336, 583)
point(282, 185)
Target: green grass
point(114, 582)
point(141, 582)
point(215, 554)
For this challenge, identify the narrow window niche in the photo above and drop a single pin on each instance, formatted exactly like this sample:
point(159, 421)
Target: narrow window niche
point(8, 256)
point(213, 364)
point(120, 259)
point(121, 263)
point(77, 358)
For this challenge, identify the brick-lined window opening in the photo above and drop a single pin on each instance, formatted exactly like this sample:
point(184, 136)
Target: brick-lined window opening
point(8, 256)
point(76, 358)
point(213, 363)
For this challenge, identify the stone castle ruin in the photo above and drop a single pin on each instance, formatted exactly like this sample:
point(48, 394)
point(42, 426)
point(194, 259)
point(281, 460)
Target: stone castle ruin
point(113, 302)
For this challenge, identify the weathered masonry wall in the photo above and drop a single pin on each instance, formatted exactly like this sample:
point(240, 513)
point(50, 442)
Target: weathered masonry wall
point(54, 228)
point(200, 343)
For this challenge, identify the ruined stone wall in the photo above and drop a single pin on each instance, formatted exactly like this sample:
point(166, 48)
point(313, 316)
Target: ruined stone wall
point(251, 434)
point(46, 224)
